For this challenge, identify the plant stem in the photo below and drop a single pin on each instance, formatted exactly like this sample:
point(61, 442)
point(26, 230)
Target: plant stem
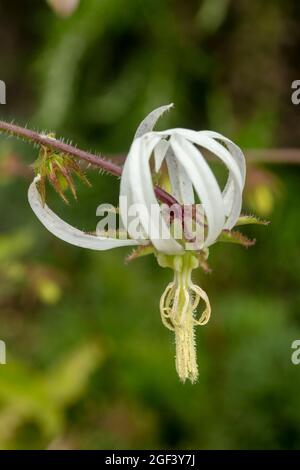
point(92, 159)
point(281, 156)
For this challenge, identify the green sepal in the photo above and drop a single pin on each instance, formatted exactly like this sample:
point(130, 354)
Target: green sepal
point(250, 219)
point(143, 250)
point(203, 264)
point(232, 236)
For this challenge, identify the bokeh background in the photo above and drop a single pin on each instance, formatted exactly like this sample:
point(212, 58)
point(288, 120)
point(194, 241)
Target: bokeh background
point(89, 364)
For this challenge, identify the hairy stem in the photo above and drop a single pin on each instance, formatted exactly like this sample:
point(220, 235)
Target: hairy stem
point(95, 160)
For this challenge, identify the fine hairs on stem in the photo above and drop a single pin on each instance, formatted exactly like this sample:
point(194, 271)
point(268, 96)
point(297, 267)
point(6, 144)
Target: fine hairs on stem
point(92, 159)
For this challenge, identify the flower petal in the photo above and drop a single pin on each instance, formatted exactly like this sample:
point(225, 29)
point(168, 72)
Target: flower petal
point(160, 153)
point(66, 232)
point(238, 156)
point(149, 122)
point(137, 186)
point(234, 149)
point(182, 187)
point(235, 188)
point(205, 185)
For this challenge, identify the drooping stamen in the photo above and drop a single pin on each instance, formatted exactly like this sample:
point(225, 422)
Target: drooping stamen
point(178, 306)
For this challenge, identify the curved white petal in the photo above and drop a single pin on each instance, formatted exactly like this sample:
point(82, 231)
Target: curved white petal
point(234, 149)
point(160, 153)
point(205, 185)
point(149, 122)
point(66, 232)
point(238, 156)
point(137, 186)
point(235, 188)
point(182, 187)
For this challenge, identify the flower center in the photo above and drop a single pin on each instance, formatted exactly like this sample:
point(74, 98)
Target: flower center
point(178, 306)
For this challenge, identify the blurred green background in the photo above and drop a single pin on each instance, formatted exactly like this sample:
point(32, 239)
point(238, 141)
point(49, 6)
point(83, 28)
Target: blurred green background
point(89, 364)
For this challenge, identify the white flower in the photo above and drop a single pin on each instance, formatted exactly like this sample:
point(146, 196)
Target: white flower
point(189, 173)
point(190, 176)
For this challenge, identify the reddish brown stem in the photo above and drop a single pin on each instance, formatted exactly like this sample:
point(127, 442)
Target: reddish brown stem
point(281, 156)
point(95, 160)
